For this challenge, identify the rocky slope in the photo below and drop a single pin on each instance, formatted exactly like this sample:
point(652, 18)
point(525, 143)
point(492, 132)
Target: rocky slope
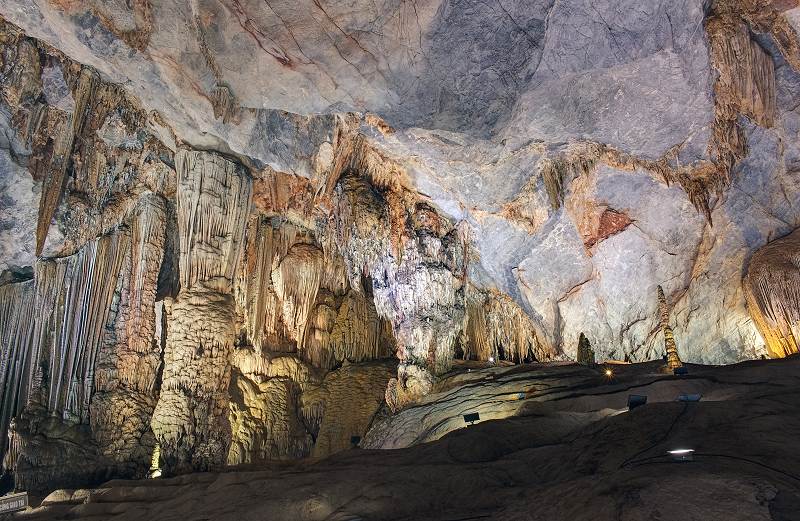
point(223, 224)
point(571, 451)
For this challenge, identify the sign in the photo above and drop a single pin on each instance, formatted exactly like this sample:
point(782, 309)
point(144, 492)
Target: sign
point(13, 502)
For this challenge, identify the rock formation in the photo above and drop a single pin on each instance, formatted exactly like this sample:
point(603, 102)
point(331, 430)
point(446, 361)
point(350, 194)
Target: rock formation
point(585, 355)
point(773, 294)
point(190, 420)
point(673, 360)
point(239, 231)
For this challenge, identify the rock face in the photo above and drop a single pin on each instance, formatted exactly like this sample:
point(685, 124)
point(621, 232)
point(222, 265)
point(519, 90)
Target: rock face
point(773, 294)
point(222, 222)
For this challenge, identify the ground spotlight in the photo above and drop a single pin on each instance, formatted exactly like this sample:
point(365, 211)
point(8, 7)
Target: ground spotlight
point(471, 418)
point(681, 454)
point(636, 400)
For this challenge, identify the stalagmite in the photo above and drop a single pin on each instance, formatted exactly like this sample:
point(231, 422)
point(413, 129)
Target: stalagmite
point(585, 351)
point(348, 400)
point(265, 421)
point(191, 418)
point(673, 360)
point(772, 289)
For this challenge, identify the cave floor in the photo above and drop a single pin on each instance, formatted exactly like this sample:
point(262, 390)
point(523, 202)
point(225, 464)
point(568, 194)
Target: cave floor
point(577, 454)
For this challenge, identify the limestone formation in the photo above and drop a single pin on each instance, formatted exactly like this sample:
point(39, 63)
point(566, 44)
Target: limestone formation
point(127, 379)
point(585, 352)
point(240, 232)
point(190, 420)
point(673, 360)
point(771, 286)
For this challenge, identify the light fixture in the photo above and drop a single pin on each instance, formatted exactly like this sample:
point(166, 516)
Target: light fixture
point(491, 359)
point(471, 418)
point(609, 373)
point(636, 400)
point(681, 454)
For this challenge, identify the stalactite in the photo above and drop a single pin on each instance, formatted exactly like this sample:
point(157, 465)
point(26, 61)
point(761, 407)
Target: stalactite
point(134, 361)
point(296, 281)
point(213, 201)
point(497, 327)
point(417, 267)
point(23, 84)
point(772, 290)
point(346, 328)
point(51, 167)
point(129, 361)
point(16, 332)
point(224, 103)
point(268, 241)
point(745, 85)
point(766, 16)
point(73, 299)
point(70, 304)
point(287, 195)
point(359, 230)
point(557, 171)
point(191, 418)
point(673, 360)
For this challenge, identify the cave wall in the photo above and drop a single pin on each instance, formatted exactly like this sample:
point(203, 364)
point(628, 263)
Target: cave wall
point(171, 294)
point(234, 255)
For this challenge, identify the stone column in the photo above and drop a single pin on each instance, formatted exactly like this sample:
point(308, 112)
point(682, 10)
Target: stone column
point(191, 418)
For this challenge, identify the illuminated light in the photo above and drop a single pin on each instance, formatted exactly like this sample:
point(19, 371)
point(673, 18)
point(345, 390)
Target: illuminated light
point(609, 373)
point(156, 473)
point(491, 359)
point(681, 454)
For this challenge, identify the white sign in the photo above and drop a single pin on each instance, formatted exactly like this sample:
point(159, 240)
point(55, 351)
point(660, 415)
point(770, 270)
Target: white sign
point(13, 502)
